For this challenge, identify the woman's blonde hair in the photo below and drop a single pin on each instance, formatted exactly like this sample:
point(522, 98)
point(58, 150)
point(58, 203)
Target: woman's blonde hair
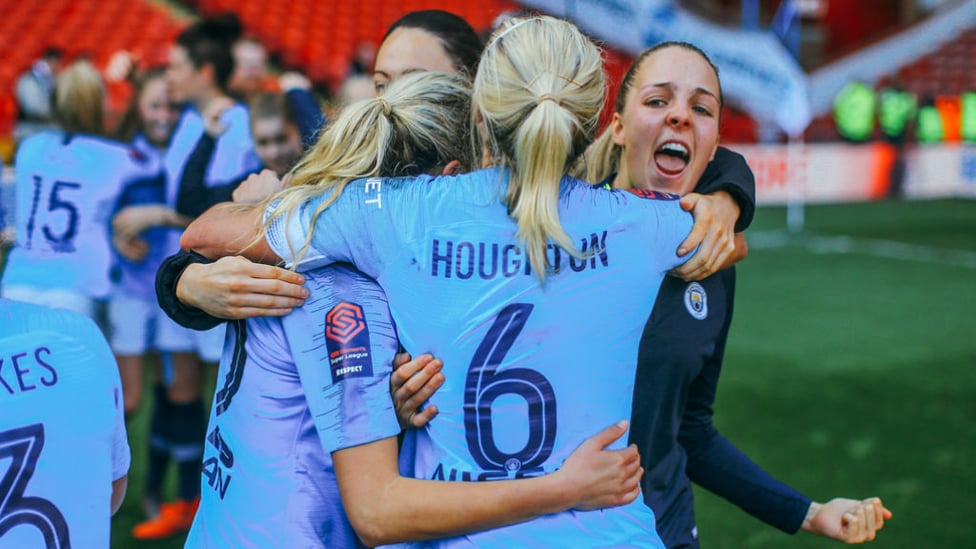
point(601, 159)
point(538, 91)
point(417, 126)
point(79, 100)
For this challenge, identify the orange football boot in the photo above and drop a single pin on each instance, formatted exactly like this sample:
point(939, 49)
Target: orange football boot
point(174, 518)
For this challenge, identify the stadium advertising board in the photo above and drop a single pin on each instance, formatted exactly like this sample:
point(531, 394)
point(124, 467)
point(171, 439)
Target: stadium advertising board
point(841, 172)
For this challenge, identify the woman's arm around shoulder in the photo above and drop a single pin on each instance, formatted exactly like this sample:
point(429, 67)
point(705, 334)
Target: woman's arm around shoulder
point(384, 507)
point(230, 229)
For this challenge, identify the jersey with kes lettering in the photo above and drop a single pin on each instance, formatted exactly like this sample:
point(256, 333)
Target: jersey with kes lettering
point(62, 429)
point(532, 369)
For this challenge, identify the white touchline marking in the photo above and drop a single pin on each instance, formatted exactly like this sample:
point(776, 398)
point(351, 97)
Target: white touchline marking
point(866, 246)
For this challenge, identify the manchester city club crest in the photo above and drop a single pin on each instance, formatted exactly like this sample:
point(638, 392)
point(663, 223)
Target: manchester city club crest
point(696, 301)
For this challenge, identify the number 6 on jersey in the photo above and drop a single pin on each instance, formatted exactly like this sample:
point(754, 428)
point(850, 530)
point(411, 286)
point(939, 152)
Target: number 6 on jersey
point(485, 383)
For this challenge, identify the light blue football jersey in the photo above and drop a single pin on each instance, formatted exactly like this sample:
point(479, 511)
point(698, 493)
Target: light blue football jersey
point(62, 429)
point(67, 187)
point(532, 369)
point(267, 479)
point(138, 278)
point(234, 156)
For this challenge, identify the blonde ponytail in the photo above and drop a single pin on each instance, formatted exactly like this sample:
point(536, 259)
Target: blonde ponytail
point(79, 99)
point(417, 126)
point(538, 91)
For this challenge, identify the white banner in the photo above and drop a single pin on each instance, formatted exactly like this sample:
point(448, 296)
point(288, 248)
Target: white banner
point(829, 172)
point(941, 170)
point(758, 74)
point(841, 172)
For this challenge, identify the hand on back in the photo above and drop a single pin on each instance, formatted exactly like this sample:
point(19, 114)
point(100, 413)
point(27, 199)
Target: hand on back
point(713, 234)
point(235, 288)
point(258, 186)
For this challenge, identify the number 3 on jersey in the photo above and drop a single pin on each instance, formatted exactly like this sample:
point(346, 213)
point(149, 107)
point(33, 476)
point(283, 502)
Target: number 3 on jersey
point(22, 446)
point(485, 383)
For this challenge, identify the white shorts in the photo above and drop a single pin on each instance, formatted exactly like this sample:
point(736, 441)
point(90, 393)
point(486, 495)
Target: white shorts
point(55, 298)
point(174, 338)
point(133, 320)
point(139, 325)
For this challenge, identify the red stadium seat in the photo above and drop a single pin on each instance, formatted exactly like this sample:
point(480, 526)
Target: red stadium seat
point(951, 69)
point(321, 37)
point(96, 28)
